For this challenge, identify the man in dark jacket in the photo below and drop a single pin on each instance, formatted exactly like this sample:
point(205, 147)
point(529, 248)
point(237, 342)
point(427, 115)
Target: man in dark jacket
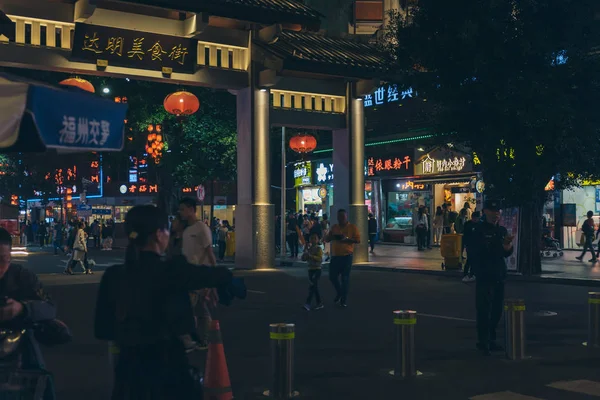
point(468, 237)
point(490, 246)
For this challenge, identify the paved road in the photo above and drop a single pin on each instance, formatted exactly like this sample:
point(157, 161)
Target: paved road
point(345, 353)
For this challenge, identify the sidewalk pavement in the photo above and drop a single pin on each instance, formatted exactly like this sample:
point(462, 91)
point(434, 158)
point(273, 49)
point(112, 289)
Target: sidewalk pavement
point(388, 257)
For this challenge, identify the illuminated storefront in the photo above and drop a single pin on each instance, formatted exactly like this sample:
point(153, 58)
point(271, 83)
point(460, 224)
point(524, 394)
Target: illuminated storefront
point(314, 187)
point(410, 179)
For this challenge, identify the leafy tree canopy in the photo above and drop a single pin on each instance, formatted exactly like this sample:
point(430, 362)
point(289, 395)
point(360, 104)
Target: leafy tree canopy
point(516, 80)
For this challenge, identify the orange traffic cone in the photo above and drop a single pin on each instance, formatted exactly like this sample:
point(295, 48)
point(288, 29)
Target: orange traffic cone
point(217, 385)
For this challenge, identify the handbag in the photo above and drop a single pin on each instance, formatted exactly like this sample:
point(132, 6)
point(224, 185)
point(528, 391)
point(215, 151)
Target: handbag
point(52, 332)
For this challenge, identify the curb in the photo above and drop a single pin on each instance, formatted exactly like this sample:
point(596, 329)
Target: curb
point(512, 277)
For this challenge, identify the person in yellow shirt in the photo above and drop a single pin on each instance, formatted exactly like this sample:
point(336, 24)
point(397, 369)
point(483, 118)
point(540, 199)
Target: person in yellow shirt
point(342, 236)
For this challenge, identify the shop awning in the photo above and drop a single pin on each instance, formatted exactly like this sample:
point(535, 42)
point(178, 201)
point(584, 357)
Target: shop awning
point(35, 117)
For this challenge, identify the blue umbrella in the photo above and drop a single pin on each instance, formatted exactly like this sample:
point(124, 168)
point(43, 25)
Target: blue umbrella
point(35, 117)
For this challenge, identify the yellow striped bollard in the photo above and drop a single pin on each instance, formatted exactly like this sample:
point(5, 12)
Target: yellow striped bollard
point(404, 324)
point(593, 319)
point(282, 361)
point(514, 324)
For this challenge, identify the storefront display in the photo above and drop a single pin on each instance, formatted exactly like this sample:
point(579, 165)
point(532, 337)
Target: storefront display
point(403, 199)
point(439, 177)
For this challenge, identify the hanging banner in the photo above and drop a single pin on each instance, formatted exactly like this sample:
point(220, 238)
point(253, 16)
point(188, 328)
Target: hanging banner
point(509, 219)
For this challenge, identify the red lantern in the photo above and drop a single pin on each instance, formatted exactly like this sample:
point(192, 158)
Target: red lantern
point(79, 83)
point(303, 143)
point(181, 103)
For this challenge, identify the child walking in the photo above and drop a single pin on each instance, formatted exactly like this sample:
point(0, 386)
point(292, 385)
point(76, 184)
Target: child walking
point(313, 253)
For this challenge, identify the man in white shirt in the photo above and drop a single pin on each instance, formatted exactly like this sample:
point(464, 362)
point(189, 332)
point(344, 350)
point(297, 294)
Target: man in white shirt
point(197, 249)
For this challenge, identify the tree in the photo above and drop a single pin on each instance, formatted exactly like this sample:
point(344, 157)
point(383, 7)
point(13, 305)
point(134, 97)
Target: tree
point(518, 82)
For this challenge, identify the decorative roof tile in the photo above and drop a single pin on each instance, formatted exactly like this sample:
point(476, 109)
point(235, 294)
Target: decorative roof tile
point(329, 52)
point(261, 11)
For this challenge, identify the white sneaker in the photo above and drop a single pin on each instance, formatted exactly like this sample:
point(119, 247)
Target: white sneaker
point(468, 278)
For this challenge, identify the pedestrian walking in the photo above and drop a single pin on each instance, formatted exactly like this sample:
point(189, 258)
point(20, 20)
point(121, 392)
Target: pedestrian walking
point(96, 232)
point(372, 232)
point(422, 228)
point(588, 232)
point(325, 229)
point(429, 232)
point(197, 249)
point(446, 224)
point(58, 238)
point(313, 254)
point(80, 249)
point(342, 236)
point(222, 239)
point(43, 233)
point(468, 238)
point(292, 235)
point(490, 246)
point(315, 228)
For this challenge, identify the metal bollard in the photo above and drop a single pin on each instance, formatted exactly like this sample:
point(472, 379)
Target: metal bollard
point(113, 359)
point(404, 322)
point(282, 361)
point(593, 319)
point(514, 323)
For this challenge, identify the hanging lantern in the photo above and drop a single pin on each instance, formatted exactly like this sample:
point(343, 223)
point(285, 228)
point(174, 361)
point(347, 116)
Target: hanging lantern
point(303, 143)
point(181, 103)
point(79, 83)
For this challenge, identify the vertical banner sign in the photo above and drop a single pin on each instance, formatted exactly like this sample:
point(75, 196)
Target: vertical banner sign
point(510, 220)
point(134, 49)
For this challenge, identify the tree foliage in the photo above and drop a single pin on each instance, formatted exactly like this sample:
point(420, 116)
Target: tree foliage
point(518, 83)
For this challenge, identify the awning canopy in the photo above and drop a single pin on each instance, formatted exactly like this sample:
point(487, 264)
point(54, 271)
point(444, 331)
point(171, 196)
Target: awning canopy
point(35, 117)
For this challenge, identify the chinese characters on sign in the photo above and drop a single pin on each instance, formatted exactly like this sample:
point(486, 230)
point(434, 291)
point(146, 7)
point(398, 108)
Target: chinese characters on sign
point(452, 164)
point(84, 132)
point(397, 164)
point(388, 94)
point(134, 49)
point(302, 173)
point(410, 185)
point(141, 189)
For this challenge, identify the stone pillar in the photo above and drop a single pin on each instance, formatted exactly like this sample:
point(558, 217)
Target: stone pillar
point(349, 175)
point(254, 221)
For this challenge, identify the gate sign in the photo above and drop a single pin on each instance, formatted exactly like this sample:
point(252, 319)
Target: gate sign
point(201, 193)
point(84, 210)
point(133, 49)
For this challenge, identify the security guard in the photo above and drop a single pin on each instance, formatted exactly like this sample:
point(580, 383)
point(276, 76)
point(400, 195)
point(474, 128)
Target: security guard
point(491, 245)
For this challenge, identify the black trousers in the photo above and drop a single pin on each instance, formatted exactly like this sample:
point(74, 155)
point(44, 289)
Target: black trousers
point(313, 289)
point(222, 247)
point(372, 240)
point(339, 275)
point(489, 302)
point(292, 240)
